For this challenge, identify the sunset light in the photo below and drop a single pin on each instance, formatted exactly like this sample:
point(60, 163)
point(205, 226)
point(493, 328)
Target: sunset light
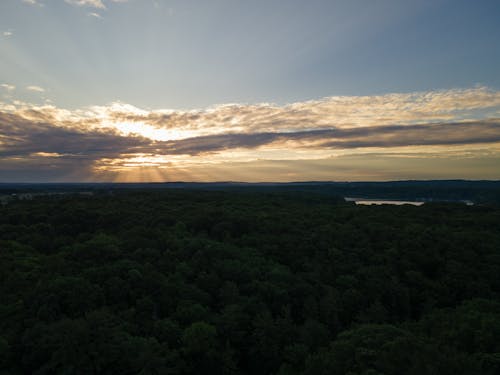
point(189, 94)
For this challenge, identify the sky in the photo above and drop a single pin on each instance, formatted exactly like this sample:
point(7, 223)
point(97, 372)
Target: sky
point(230, 90)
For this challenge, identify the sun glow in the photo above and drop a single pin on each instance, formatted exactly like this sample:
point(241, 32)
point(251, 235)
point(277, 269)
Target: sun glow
point(127, 162)
point(148, 131)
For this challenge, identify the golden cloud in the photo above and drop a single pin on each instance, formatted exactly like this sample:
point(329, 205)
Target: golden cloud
point(120, 136)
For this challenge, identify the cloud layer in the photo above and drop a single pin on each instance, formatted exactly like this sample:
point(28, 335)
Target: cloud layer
point(94, 141)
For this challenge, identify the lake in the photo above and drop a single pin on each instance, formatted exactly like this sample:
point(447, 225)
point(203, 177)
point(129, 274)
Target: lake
point(378, 201)
point(397, 202)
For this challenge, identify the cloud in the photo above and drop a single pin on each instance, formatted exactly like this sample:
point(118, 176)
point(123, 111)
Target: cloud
point(22, 137)
point(331, 112)
point(93, 14)
point(35, 88)
point(87, 3)
point(8, 87)
point(483, 131)
point(120, 137)
point(340, 111)
point(7, 33)
point(28, 132)
point(33, 2)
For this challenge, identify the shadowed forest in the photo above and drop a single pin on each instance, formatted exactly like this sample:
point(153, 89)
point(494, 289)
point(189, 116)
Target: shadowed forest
point(232, 282)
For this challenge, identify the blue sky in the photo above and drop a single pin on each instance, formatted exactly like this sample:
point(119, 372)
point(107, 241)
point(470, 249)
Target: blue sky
point(228, 80)
point(191, 54)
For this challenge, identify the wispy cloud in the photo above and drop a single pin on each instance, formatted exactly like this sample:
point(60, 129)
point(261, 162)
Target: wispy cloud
point(87, 3)
point(8, 87)
point(95, 15)
point(97, 4)
point(7, 33)
point(120, 137)
point(35, 88)
point(33, 2)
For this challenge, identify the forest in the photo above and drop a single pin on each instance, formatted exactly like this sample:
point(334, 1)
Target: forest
point(180, 281)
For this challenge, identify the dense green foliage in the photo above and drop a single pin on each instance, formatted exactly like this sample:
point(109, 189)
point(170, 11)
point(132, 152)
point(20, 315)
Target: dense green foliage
point(179, 282)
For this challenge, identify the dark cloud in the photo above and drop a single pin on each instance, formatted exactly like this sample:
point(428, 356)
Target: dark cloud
point(472, 132)
point(42, 147)
point(22, 137)
point(483, 131)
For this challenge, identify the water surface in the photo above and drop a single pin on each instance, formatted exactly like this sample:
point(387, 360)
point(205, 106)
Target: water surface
point(378, 201)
